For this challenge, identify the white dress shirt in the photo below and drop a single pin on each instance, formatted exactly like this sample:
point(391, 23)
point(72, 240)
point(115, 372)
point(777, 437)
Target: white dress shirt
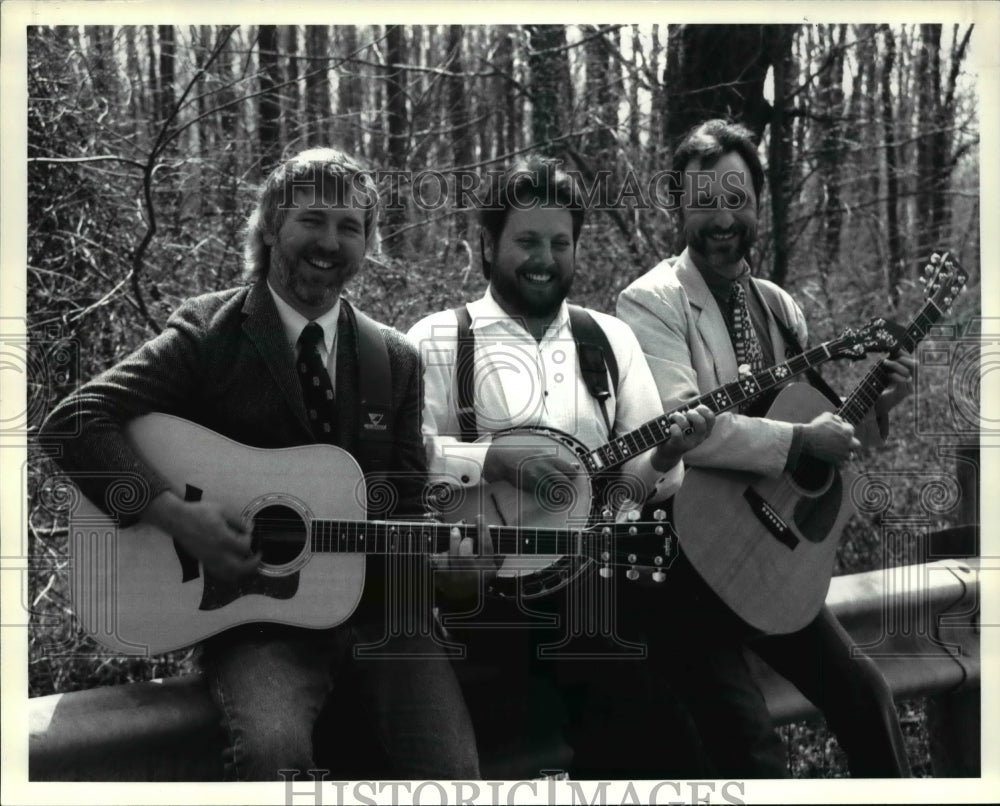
point(521, 382)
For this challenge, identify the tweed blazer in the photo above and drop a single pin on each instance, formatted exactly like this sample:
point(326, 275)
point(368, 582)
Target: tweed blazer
point(223, 361)
point(688, 348)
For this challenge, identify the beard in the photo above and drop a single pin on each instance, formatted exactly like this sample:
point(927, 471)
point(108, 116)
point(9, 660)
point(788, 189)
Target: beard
point(314, 288)
point(718, 254)
point(520, 297)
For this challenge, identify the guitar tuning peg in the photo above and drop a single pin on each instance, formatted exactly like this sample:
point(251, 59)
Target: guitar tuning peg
point(633, 572)
point(632, 515)
point(606, 513)
point(605, 571)
point(658, 575)
point(659, 515)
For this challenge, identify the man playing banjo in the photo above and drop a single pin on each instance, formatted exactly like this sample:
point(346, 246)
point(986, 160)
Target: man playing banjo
point(530, 365)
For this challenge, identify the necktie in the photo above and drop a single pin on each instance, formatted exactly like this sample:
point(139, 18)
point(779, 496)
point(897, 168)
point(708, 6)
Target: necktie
point(748, 350)
point(317, 391)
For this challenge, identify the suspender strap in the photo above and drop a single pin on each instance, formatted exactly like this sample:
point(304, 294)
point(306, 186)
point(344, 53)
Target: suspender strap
point(597, 359)
point(465, 399)
point(375, 436)
point(789, 336)
point(594, 353)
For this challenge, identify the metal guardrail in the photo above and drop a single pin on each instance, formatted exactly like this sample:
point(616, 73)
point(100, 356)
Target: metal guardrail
point(919, 622)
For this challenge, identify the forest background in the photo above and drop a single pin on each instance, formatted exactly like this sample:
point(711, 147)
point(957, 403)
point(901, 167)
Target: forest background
point(146, 142)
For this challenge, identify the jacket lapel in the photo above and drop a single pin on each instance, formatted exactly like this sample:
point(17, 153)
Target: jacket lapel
point(708, 320)
point(263, 328)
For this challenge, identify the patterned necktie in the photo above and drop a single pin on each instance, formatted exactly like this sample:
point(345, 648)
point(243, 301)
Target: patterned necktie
point(317, 391)
point(745, 343)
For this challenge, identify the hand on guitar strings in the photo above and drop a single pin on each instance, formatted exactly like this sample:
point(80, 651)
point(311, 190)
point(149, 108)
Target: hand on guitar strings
point(222, 545)
point(830, 438)
point(687, 431)
point(470, 563)
point(900, 373)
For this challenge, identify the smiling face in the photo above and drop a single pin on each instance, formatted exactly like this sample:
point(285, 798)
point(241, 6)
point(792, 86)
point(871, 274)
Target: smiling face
point(317, 250)
point(532, 261)
point(720, 213)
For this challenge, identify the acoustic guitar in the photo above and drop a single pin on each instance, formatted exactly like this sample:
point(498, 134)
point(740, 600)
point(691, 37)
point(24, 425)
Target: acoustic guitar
point(136, 591)
point(767, 546)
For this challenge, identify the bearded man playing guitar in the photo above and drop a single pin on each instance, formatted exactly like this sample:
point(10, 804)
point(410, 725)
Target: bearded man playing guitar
point(701, 319)
point(524, 371)
point(234, 362)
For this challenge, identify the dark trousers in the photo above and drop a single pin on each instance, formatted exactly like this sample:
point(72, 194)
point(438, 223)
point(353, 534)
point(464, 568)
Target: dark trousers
point(621, 719)
point(699, 645)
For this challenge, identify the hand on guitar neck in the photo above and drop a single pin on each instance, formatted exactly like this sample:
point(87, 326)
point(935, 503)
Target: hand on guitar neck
point(202, 529)
point(464, 565)
point(687, 431)
point(900, 374)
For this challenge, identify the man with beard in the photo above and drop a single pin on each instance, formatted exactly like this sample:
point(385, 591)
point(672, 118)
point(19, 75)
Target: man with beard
point(277, 363)
point(525, 371)
point(698, 317)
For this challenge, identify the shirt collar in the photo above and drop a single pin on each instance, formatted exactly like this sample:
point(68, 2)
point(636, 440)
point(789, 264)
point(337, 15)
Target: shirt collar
point(487, 314)
point(293, 321)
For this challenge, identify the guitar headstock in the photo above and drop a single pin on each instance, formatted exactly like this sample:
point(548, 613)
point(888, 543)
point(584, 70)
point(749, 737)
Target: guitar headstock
point(879, 335)
point(639, 547)
point(944, 279)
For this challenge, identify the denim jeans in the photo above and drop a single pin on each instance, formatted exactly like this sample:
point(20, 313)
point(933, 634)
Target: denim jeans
point(270, 684)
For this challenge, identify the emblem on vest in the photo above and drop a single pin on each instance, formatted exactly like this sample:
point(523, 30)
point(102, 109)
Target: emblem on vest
point(375, 422)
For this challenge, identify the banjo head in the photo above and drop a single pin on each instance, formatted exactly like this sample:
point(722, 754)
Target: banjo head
point(566, 503)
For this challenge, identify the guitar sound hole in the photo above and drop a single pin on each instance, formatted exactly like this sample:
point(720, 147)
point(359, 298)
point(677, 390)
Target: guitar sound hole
point(812, 474)
point(279, 534)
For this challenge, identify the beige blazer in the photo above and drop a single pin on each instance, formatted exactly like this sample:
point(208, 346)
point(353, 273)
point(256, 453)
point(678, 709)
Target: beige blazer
point(686, 343)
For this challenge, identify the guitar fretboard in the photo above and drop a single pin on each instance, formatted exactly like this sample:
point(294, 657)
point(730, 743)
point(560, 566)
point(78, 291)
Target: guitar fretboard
point(857, 405)
point(656, 432)
point(399, 537)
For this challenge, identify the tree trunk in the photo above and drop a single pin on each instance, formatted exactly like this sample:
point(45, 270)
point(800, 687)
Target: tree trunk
point(293, 123)
point(350, 100)
point(891, 174)
point(458, 116)
point(318, 84)
point(601, 96)
point(397, 143)
point(829, 108)
point(549, 86)
point(719, 71)
point(269, 102)
point(165, 98)
point(778, 52)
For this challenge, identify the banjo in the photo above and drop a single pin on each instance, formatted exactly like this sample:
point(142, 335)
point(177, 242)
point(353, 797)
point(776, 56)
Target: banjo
point(595, 490)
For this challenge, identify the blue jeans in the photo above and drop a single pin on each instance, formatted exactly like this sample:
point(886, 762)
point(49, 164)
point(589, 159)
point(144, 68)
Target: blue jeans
point(270, 684)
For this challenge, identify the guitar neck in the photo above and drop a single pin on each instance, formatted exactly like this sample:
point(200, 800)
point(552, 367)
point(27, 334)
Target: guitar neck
point(419, 537)
point(856, 406)
point(656, 432)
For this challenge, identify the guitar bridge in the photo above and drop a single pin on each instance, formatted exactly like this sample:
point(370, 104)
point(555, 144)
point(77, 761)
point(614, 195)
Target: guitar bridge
point(769, 516)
